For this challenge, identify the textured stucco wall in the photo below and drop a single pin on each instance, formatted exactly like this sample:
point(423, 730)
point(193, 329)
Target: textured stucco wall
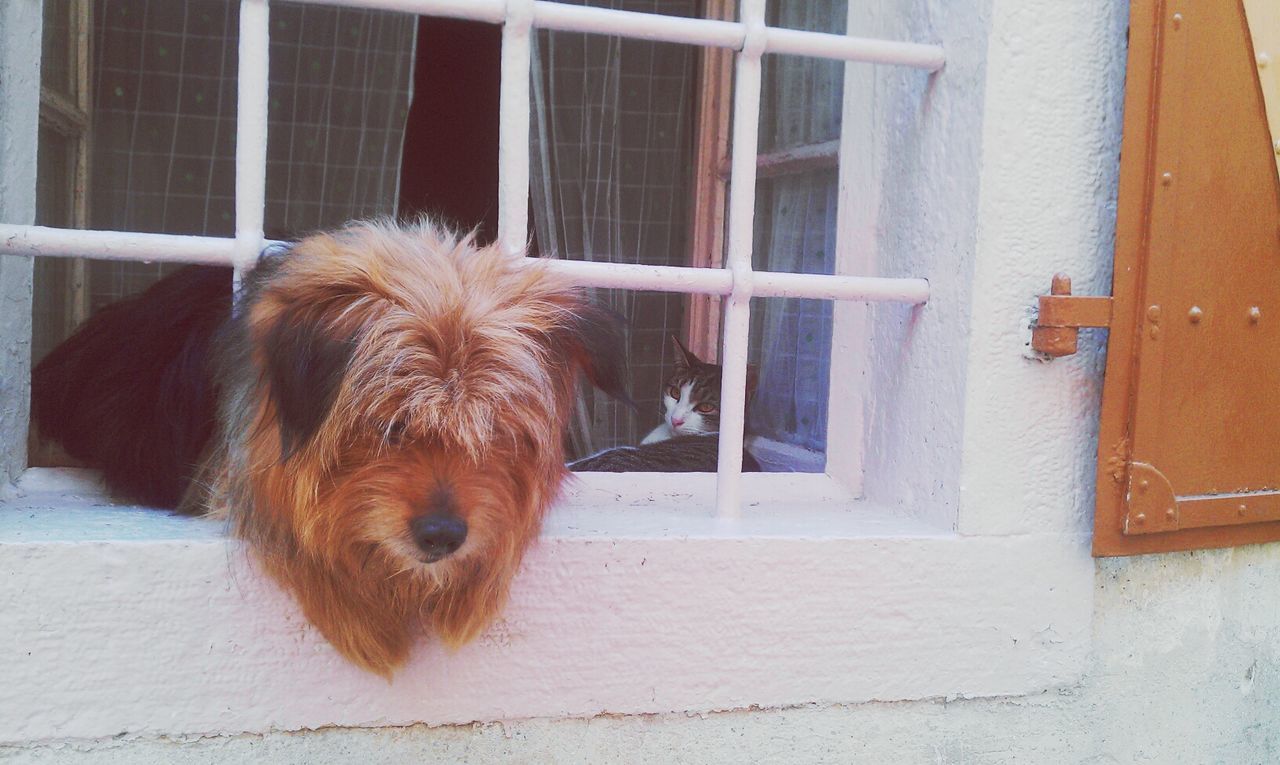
point(19, 110)
point(1051, 151)
point(1186, 670)
point(928, 141)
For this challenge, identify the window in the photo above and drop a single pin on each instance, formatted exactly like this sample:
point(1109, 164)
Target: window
point(617, 124)
point(638, 600)
point(169, 46)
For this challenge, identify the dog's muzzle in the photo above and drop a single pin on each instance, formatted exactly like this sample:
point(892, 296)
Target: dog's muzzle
point(438, 535)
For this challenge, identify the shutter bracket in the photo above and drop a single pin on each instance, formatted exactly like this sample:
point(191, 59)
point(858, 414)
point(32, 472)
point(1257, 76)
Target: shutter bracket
point(1057, 327)
point(1152, 506)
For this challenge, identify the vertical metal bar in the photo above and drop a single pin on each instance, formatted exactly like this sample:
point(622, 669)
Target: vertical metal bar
point(742, 198)
point(251, 133)
point(513, 136)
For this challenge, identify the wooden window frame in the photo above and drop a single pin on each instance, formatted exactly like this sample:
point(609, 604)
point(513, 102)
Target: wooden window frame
point(71, 118)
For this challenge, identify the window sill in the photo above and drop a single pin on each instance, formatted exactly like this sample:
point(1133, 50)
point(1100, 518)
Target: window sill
point(125, 619)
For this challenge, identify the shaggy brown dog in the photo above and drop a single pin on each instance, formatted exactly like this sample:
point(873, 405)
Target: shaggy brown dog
point(391, 404)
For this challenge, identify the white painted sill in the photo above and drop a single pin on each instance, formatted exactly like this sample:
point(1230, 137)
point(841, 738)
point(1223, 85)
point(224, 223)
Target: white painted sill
point(121, 619)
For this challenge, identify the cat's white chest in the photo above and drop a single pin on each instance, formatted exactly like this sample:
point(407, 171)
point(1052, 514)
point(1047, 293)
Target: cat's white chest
point(660, 433)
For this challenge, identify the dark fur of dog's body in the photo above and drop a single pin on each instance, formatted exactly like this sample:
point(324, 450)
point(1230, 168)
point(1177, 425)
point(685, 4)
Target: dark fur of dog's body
point(131, 392)
point(390, 407)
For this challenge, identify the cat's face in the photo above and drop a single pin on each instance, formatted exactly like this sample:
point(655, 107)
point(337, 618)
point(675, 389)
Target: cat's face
point(691, 396)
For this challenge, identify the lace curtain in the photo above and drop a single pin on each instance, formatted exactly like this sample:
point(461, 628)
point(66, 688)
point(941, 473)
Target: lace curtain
point(795, 232)
point(610, 155)
point(163, 78)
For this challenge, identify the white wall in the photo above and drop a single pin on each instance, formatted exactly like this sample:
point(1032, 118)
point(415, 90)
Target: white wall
point(1182, 665)
point(19, 102)
point(1186, 669)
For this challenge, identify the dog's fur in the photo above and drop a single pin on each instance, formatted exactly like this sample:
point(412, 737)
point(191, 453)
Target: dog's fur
point(370, 378)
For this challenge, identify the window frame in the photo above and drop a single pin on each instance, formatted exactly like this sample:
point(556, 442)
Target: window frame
point(72, 119)
point(737, 282)
point(710, 184)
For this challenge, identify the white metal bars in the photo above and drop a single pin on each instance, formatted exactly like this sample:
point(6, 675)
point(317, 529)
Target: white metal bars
point(750, 36)
point(513, 127)
point(743, 147)
point(251, 133)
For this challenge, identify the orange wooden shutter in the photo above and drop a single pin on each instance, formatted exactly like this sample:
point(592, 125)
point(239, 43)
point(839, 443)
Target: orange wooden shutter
point(1189, 446)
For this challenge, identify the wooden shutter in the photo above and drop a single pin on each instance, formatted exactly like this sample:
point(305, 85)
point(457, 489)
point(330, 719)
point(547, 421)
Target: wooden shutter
point(1189, 448)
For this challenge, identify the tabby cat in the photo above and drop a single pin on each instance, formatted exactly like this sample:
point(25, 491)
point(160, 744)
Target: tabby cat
point(682, 454)
point(691, 397)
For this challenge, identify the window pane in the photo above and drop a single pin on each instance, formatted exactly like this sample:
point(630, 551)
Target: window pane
point(53, 179)
point(649, 321)
point(165, 122)
point(53, 208)
point(791, 360)
point(801, 97)
point(56, 54)
point(811, 16)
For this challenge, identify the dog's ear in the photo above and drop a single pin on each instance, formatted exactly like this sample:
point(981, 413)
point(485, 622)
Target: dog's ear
point(306, 363)
point(596, 344)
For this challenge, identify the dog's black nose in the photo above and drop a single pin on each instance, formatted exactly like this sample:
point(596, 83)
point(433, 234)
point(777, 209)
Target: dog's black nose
point(439, 534)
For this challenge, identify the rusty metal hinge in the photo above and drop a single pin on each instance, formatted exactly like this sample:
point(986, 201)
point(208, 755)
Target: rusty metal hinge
point(1057, 327)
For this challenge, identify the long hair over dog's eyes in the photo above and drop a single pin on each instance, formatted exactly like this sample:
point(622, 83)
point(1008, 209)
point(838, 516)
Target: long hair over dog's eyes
point(396, 433)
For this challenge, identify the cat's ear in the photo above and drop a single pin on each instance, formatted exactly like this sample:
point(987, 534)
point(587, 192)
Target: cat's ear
point(685, 358)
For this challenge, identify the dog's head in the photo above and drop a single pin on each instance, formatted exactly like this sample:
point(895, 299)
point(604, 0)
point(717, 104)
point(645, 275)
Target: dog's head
point(396, 398)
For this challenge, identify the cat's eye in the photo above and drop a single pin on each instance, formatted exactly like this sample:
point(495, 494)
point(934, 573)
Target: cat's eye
point(673, 392)
point(704, 408)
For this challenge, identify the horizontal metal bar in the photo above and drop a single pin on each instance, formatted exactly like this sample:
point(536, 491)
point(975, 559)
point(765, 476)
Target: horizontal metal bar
point(822, 45)
point(170, 248)
point(115, 245)
point(675, 29)
point(630, 276)
point(635, 24)
point(871, 289)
